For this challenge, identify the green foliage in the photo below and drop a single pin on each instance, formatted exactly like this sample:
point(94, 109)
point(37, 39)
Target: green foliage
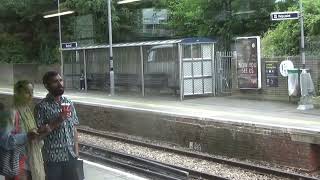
point(281, 41)
point(49, 55)
point(186, 17)
point(284, 38)
point(224, 19)
point(12, 49)
point(27, 37)
point(124, 19)
point(312, 17)
point(23, 29)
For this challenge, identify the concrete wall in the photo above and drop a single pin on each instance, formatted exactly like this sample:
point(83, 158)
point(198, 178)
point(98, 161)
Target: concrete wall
point(6, 73)
point(11, 73)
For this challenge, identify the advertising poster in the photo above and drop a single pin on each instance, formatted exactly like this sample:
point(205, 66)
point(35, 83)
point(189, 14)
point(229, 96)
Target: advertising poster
point(272, 70)
point(248, 62)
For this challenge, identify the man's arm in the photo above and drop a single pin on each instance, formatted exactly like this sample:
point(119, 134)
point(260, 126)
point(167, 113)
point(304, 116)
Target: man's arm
point(76, 141)
point(75, 122)
point(45, 128)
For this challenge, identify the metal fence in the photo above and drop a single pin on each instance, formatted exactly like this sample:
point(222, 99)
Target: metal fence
point(223, 63)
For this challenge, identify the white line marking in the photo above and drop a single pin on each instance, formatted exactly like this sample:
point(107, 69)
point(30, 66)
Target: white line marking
point(128, 175)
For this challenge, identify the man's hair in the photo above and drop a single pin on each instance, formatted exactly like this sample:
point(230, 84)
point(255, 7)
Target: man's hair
point(48, 75)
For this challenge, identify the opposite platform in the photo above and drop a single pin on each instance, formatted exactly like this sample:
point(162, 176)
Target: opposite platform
point(260, 130)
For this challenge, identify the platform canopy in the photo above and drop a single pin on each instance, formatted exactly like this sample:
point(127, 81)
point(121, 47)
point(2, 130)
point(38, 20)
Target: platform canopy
point(144, 43)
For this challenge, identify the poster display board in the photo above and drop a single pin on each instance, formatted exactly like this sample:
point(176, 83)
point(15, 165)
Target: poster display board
point(248, 62)
point(271, 69)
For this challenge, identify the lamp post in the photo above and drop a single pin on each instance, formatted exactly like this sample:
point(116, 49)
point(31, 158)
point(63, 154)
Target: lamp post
point(110, 50)
point(306, 98)
point(303, 55)
point(59, 14)
point(111, 70)
point(60, 43)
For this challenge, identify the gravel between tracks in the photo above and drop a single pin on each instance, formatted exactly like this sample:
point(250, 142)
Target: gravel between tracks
point(176, 159)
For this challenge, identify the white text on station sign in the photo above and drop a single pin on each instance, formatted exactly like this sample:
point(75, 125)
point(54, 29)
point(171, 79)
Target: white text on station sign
point(280, 16)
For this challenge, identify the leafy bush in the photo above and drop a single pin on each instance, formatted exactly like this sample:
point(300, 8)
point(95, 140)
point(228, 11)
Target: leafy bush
point(284, 38)
point(12, 49)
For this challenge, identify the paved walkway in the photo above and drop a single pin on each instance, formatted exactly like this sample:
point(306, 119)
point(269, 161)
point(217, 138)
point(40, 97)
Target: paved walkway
point(229, 110)
point(94, 171)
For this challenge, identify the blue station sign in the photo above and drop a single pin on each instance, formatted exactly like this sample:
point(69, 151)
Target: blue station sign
point(69, 45)
point(280, 16)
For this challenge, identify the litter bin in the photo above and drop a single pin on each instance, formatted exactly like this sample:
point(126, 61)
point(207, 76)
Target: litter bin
point(306, 83)
point(307, 90)
point(293, 82)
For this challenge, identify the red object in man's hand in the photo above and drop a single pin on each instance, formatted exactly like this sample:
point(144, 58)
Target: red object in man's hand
point(66, 109)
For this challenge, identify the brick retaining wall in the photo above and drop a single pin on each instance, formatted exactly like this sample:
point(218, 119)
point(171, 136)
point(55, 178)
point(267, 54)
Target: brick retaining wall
point(243, 142)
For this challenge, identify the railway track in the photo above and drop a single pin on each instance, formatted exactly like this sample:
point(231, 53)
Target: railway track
point(260, 169)
point(145, 167)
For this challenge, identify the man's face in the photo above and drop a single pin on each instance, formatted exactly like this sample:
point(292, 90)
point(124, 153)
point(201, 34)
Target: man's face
point(55, 86)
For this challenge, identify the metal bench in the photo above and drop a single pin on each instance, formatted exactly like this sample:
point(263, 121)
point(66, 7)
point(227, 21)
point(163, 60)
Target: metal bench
point(96, 81)
point(101, 81)
point(158, 80)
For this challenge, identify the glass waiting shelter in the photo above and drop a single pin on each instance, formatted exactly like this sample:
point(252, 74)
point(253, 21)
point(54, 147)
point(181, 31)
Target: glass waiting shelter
point(181, 67)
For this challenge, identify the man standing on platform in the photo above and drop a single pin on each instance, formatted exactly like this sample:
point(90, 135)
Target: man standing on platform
point(57, 120)
point(82, 81)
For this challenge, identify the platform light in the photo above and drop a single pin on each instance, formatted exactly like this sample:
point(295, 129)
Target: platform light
point(127, 1)
point(244, 12)
point(58, 14)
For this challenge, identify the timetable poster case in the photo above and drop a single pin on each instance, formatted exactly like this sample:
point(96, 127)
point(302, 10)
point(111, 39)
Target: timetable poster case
point(272, 74)
point(248, 62)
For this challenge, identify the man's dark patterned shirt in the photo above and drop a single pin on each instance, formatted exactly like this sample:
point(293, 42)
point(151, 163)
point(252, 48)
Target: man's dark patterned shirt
point(59, 144)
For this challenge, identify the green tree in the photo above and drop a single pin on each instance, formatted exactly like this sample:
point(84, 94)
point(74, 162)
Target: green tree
point(12, 49)
point(284, 38)
point(223, 19)
point(22, 22)
point(124, 18)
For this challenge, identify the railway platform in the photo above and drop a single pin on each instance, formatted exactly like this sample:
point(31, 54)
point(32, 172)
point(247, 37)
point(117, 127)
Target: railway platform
point(94, 171)
point(274, 132)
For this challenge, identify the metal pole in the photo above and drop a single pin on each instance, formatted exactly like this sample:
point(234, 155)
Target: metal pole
point(303, 55)
point(142, 71)
point(213, 70)
point(111, 51)
point(304, 100)
point(60, 41)
point(192, 71)
point(181, 76)
point(85, 71)
point(202, 74)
